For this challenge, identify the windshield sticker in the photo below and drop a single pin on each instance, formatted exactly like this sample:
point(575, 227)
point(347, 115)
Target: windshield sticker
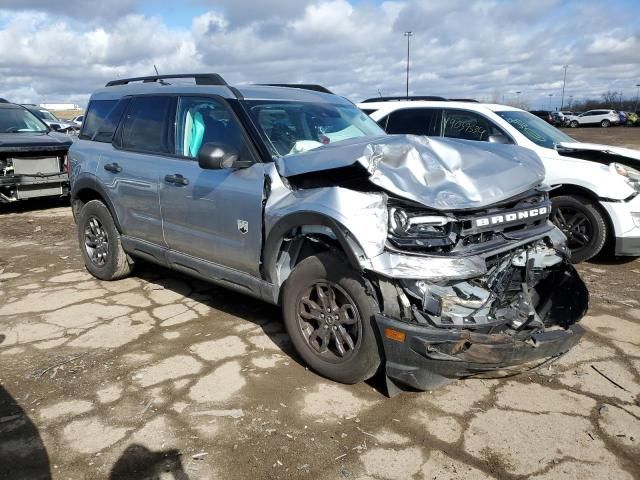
point(526, 130)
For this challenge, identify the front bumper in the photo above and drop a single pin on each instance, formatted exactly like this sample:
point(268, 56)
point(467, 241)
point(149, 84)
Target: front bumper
point(429, 357)
point(625, 219)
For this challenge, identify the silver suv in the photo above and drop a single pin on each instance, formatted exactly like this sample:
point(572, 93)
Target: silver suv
point(434, 258)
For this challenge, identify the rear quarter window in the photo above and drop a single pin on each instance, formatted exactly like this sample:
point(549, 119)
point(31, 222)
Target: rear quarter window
point(102, 118)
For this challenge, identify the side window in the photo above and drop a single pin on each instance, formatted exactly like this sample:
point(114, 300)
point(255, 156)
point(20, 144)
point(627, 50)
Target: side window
point(206, 120)
point(145, 125)
point(468, 126)
point(415, 121)
point(102, 119)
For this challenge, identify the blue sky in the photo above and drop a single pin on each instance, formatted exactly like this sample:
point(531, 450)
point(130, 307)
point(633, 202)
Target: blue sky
point(487, 49)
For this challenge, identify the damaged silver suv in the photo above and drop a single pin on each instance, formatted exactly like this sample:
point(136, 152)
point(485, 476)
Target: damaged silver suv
point(433, 258)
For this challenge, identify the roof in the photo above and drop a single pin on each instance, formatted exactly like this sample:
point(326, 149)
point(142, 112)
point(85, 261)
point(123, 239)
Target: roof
point(446, 104)
point(8, 105)
point(213, 84)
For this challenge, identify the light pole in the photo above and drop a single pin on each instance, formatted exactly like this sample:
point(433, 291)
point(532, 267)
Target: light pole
point(550, 95)
point(408, 35)
point(637, 92)
point(564, 83)
point(570, 101)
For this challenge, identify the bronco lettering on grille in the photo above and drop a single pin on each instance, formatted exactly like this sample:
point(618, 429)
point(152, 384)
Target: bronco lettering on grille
point(511, 217)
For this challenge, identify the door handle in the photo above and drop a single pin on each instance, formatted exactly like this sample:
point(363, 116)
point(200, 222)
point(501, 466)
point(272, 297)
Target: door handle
point(113, 168)
point(176, 179)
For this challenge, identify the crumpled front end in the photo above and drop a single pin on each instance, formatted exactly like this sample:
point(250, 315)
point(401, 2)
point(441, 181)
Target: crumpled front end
point(523, 308)
point(455, 238)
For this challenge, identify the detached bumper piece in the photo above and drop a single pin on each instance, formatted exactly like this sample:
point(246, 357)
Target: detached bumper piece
point(424, 358)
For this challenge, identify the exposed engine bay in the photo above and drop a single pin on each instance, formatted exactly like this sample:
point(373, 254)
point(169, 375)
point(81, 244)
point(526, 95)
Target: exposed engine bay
point(32, 174)
point(529, 288)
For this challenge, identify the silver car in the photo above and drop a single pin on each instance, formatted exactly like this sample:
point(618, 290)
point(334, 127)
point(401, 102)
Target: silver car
point(430, 259)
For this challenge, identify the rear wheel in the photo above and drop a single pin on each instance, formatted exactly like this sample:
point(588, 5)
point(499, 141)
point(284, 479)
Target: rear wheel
point(605, 123)
point(583, 225)
point(329, 313)
point(100, 243)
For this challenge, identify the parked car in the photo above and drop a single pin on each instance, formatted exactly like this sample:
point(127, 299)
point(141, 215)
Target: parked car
point(78, 120)
point(563, 118)
point(595, 194)
point(32, 157)
point(51, 120)
point(604, 118)
point(545, 115)
point(435, 257)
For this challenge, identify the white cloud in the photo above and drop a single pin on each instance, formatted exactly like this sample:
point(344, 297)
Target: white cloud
point(460, 48)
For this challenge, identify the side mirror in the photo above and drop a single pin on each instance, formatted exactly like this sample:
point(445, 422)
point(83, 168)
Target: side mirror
point(498, 138)
point(216, 155)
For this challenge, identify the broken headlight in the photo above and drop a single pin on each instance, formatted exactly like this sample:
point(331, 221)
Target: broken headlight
point(631, 174)
point(414, 228)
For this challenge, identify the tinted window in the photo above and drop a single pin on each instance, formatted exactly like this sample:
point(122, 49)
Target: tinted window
point(204, 120)
point(468, 126)
point(415, 121)
point(145, 125)
point(102, 119)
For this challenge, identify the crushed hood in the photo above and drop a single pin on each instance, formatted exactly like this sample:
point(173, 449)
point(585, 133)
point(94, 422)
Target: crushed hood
point(628, 153)
point(440, 173)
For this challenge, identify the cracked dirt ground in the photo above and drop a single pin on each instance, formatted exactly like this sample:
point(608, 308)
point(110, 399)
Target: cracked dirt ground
point(162, 375)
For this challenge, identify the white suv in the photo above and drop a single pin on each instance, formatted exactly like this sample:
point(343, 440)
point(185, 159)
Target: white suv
point(604, 118)
point(596, 192)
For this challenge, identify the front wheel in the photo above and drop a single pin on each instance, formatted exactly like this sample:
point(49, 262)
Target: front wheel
point(100, 243)
point(574, 124)
point(329, 311)
point(605, 123)
point(583, 225)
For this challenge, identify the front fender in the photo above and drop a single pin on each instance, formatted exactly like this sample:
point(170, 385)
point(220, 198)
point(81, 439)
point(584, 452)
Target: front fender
point(358, 220)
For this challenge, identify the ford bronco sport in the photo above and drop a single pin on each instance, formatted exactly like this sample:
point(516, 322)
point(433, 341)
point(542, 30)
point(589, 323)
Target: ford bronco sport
point(434, 258)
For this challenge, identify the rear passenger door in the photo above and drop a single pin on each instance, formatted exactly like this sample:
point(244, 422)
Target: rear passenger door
point(414, 121)
point(213, 215)
point(129, 172)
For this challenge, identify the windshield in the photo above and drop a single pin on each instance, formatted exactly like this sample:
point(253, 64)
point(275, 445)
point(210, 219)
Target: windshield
point(535, 129)
point(45, 115)
point(294, 127)
point(18, 120)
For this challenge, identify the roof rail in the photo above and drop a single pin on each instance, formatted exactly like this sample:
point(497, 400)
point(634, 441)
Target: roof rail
point(468, 100)
point(200, 78)
point(303, 86)
point(401, 98)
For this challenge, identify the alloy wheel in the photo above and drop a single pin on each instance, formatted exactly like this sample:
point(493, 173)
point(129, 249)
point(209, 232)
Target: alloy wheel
point(96, 241)
point(329, 321)
point(575, 225)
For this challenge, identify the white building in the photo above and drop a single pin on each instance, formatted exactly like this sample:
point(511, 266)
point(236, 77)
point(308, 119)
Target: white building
point(60, 106)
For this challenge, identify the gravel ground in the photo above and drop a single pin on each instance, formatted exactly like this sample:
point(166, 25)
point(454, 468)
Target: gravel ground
point(181, 379)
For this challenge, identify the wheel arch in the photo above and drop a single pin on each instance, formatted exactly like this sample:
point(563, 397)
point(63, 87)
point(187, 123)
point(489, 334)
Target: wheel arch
point(299, 235)
point(577, 190)
point(85, 190)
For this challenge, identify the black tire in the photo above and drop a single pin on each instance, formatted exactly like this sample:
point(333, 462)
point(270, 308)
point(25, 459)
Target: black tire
point(324, 271)
point(583, 224)
point(574, 124)
point(605, 123)
point(100, 243)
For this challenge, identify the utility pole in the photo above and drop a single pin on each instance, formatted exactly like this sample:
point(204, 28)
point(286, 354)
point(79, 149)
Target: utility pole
point(408, 35)
point(637, 92)
point(550, 95)
point(564, 83)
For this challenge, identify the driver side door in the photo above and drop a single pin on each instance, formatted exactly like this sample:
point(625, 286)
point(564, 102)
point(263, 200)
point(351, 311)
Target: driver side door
point(211, 215)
